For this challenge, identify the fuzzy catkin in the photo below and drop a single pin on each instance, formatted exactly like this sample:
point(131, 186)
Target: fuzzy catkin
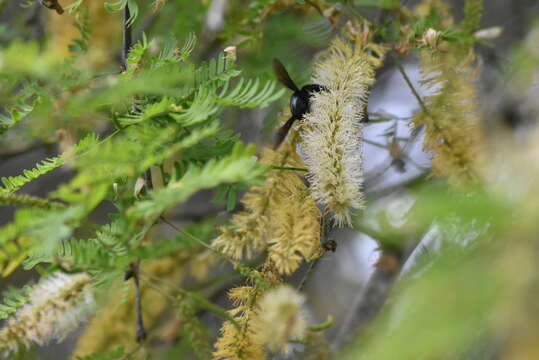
point(246, 235)
point(332, 130)
point(242, 342)
point(296, 233)
point(453, 129)
point(57, 305)
point(260, 225)
point(281, 318)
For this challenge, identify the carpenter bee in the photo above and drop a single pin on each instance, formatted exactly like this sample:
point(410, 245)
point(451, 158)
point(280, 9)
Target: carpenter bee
point(300, 102)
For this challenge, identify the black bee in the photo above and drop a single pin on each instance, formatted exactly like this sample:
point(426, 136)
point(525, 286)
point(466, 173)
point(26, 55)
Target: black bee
point(300, 102)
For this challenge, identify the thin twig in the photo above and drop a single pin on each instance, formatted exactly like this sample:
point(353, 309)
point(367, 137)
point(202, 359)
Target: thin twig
point(128, 39)
point(316, 7)
point(366, 304)
point(200, 300)
point(303, 281)
point(183, 232)
point(134, 272)
point(417, 130)
point(400, 155)
point(274, 167)
point(134, 266)
point(192, 237)
point(128, 42)
point(324, 229)
point(378, 193)
point(413, 89)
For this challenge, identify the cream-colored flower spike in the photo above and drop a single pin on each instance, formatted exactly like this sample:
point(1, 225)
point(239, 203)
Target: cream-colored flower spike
point(280, 318)
point(332, 130)
point(57, 306)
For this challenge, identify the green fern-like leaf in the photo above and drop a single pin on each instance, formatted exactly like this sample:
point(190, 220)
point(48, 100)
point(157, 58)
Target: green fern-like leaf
point(35, 232)
point(129, 154)
point(473, 10)
point(202, 107)
point(136, 53)
point(107, 250)
point(217, 69)
point(198, 335)
point(74, 6)
point(14, 183)
point(14, 248)
point(28, 98)
point(188, 47)
point(86, 144)
point(152, 110)
point(171, 54)
point(119, 5)
point(15, 114)
point(14, 299)
point(83, 27)
point(27, 200)
point(249, 93)
point(115, 355)
point(240, 165)
point(46, 230)
point(218, 146)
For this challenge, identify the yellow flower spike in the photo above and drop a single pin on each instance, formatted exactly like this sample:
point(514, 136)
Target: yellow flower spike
point(296, 234)
point(242, 343)
point(251, 229)
point(453, 126)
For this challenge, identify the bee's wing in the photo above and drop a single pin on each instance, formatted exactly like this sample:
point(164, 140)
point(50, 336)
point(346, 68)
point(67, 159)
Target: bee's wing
point(282, 132)
point(282, 75)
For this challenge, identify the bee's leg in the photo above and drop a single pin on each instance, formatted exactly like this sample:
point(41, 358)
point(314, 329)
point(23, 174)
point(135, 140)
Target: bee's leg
point(282, 132)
